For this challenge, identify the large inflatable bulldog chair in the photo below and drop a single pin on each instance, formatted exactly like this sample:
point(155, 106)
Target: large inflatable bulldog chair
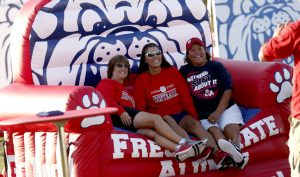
point(60, 51)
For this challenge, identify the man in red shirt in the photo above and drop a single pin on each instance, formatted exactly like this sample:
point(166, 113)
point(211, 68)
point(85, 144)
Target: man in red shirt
point(286, 42)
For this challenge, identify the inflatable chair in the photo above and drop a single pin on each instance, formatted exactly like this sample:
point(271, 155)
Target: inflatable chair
point(60, 51)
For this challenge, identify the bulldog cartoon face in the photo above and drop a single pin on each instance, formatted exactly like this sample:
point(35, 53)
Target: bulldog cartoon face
point(252, 23)
point(72, 41)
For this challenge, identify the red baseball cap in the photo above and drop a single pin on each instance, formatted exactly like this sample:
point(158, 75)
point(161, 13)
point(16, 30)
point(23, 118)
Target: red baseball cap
point(193, 41)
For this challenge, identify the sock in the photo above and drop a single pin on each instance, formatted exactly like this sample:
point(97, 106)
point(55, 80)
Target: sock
point(182, 141)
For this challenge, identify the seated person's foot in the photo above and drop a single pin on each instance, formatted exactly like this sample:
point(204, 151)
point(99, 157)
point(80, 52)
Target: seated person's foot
point(189, 149)
point(199, 145)
point(242, 164)
point(222, 159)
point(235, 152)
point(205, 154)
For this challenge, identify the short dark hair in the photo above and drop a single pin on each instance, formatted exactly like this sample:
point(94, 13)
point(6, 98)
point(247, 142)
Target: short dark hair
point(115, 60)
point(187, 60)
point(143, 65)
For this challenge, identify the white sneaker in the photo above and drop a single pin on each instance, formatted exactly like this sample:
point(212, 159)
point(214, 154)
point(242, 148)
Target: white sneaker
point(201, 145)
point(188, 150)
point(232, 150)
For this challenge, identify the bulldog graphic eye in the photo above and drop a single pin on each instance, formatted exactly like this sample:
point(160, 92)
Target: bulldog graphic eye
point(98, 28)
point(152, 21)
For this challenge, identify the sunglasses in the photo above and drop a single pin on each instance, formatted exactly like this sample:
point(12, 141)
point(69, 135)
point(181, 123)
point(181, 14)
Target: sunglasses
point(121, 65)
point(152, 54)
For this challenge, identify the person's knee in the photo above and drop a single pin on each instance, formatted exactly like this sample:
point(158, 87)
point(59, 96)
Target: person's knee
point(215, 130)
point(170, 120)
point(212, 130)
point(229, 134)
point(157, 118)
point(167, 118)
point(231, 129)
point(232, 133)
point(193, 125)
point(147, 132)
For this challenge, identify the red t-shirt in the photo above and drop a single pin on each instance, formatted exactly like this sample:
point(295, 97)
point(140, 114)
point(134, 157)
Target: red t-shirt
point(115, 94)
point(285, 44)
point(164, 94)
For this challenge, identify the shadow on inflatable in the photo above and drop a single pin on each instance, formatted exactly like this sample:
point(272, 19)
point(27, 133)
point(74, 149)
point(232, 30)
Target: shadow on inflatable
point(60, 51)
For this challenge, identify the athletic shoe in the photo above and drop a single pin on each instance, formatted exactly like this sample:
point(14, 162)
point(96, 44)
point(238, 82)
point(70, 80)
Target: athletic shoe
point(232, 150)
point(242, 164)
point(222, 159)
point(201, 142)
point(187, 150)
point(205, 154)
point(235, 152)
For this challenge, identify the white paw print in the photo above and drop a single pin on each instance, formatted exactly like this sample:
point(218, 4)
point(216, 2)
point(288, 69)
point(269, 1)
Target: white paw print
point(91, 104)
point(283, 85)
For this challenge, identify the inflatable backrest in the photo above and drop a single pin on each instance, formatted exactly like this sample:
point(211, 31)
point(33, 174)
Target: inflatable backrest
point(75, 44)
point(259, 84)
point(71, 42)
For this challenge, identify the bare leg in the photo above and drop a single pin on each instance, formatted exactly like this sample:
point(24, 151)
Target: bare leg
point(217, 133)
point(144, 120)
point(231, 131)
point(173, 124)
point(193, 126)
point(226, 146)
point(160, 140)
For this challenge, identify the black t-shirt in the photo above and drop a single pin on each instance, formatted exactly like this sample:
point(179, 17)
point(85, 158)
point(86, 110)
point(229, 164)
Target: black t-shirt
point(207, 85)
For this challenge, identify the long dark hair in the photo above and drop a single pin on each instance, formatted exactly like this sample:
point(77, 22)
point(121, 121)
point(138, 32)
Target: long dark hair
point(143, 65)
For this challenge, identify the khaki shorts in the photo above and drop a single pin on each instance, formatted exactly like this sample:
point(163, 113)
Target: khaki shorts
point(294, 146)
